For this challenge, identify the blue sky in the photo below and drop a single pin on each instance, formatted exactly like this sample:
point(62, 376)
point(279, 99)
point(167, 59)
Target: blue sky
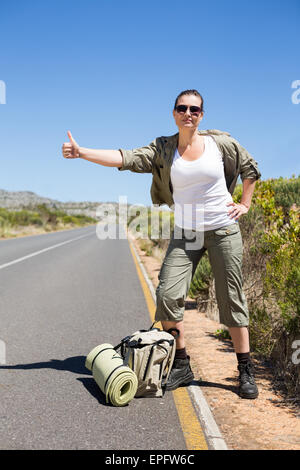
point(110, 71)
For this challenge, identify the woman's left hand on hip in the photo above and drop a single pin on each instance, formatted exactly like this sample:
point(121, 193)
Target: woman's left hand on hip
point(237, 210)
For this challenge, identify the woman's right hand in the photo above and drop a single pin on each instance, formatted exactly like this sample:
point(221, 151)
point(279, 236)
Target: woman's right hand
point(70, 149)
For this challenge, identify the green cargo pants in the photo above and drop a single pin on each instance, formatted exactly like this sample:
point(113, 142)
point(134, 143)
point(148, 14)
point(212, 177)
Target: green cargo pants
point(225, 251)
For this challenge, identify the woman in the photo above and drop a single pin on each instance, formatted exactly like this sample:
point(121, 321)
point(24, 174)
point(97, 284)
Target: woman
point(195, 173)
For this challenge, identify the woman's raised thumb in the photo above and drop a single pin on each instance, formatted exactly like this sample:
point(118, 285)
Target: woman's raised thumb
point(71, 138)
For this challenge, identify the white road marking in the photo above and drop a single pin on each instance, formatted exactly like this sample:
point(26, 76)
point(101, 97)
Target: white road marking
point(18, 260)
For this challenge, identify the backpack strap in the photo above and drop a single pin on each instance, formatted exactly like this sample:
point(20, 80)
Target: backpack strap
point(98, 354)
point(174, 329)
point(168, 331)
point(170, 363)
point(124, 340)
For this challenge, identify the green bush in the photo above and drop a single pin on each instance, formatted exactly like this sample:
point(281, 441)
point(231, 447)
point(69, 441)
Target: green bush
point(201, 279)
point(275, 316)
point(280, 244)
point(222, 334)
point(152, 225)
point(287, 192)
point(263, 331)
point(41, 216)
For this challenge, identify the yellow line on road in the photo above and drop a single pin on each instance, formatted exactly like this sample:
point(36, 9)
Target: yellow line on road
point(191, 427)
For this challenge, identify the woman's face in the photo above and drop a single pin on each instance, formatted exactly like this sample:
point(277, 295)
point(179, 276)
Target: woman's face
point(188, 119)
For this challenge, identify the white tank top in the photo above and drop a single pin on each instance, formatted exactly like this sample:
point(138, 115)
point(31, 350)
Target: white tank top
point(199, 190)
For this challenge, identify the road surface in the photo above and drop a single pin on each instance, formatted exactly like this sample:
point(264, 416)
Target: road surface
point(61, 294)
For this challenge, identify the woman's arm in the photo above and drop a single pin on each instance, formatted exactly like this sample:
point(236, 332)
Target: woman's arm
point(102, 157)
point(243, 207)
point(248, 190)
point(112, 158)
point(138, 160)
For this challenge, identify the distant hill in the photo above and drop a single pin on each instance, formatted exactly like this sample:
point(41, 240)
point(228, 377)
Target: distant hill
point(17, 200)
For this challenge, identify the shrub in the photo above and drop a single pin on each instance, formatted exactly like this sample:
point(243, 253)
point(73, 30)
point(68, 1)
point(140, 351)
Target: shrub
point(41, 216)
point(202, 277)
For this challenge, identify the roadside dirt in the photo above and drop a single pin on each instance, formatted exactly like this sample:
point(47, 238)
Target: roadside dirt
point(267, 423)
point(19, 232)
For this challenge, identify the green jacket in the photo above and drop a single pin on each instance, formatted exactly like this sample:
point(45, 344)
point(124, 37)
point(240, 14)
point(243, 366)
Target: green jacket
point(157, 157)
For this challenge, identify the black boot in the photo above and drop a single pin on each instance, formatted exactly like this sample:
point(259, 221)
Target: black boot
point(181, 374)
point(247, 388)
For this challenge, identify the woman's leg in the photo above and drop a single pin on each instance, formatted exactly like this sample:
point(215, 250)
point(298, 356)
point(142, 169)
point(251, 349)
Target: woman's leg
point(240, 339)
point(180, 343)
point(225, 250)
point(175, 277)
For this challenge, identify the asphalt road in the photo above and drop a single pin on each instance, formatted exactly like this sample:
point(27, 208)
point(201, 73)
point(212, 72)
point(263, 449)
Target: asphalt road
point(54, 308)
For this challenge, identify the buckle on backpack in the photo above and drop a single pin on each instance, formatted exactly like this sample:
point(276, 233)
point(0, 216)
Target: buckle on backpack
point(134, 343)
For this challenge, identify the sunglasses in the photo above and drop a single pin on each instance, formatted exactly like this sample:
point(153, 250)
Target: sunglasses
point(182, 108)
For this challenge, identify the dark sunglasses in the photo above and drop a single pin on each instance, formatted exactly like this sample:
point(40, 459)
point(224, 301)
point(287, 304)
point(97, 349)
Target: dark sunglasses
point(182, 108)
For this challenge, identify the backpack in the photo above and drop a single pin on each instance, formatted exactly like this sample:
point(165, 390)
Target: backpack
point(150, 354)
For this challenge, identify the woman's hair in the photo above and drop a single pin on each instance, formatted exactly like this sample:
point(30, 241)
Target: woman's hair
point(189, 92)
